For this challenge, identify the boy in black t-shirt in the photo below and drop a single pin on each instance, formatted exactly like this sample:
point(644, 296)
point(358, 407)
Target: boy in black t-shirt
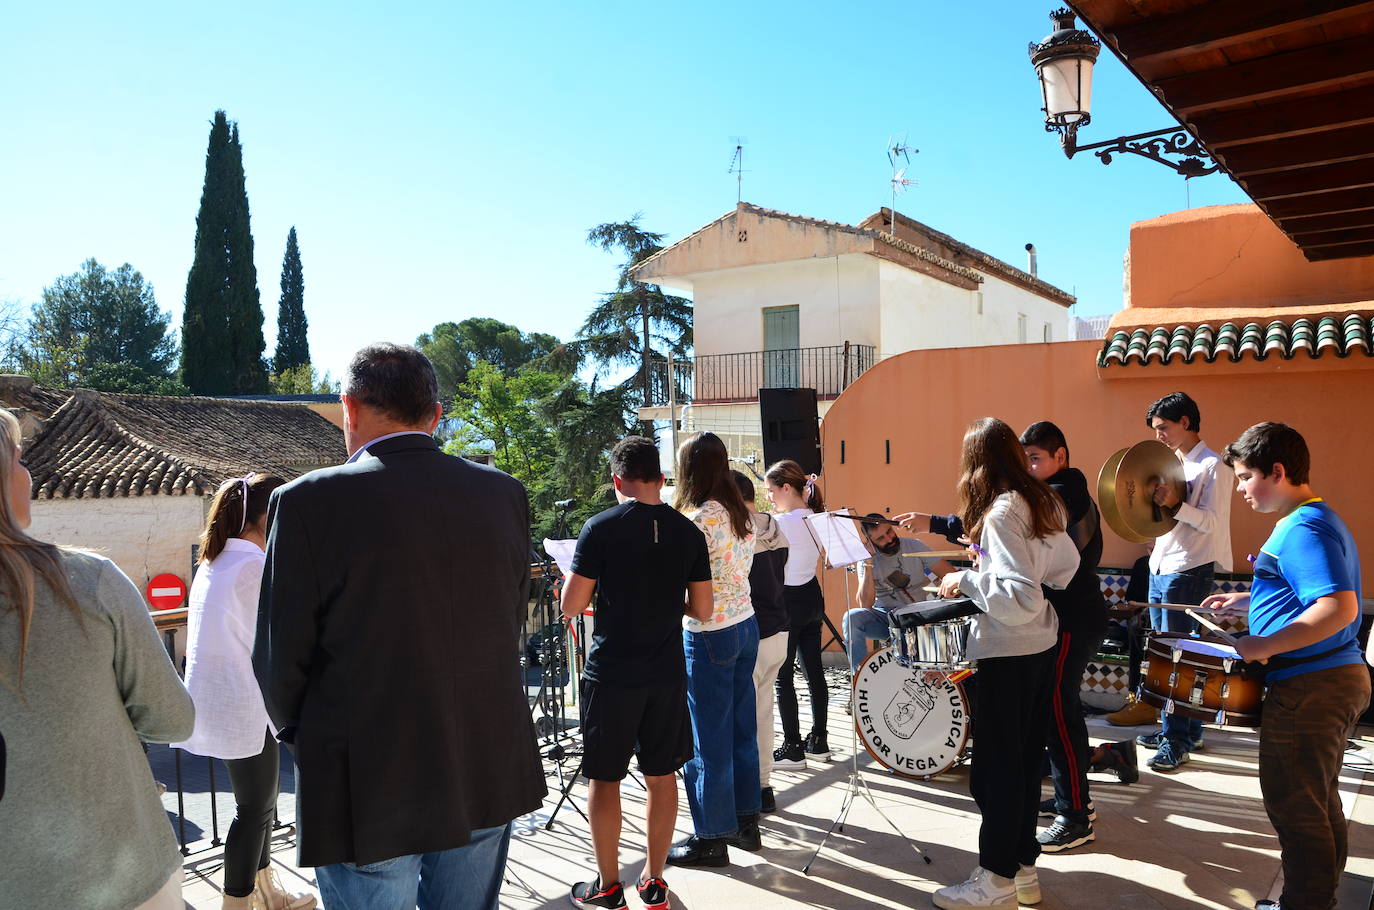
point(649, 564)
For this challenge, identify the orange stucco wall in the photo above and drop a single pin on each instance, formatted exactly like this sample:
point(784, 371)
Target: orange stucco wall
point(921, 402)
point(1230, 262)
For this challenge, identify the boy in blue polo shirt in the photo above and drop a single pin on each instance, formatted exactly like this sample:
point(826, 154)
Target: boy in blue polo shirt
point(1304, 617)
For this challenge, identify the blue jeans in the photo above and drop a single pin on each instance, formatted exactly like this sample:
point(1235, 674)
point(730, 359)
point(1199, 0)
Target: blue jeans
point(859, 626)
point(464, 878)
point(1188, 587)
point(723, 776)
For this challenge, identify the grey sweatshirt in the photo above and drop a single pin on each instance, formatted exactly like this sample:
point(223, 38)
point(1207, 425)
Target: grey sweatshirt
point(81, 824)
point(1016, 618)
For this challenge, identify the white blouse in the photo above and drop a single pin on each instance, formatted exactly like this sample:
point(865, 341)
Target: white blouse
point(802, 552)
point(231, 719)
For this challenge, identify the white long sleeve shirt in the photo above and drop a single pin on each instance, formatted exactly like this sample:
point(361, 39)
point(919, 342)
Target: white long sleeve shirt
point(1015, 617)
point(1203, 532)
point(802, 552)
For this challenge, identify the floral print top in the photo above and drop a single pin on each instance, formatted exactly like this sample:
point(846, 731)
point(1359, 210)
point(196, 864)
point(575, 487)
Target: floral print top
point(731, 559)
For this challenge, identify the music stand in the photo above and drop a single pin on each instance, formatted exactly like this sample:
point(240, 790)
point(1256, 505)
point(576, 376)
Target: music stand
point(848, 548)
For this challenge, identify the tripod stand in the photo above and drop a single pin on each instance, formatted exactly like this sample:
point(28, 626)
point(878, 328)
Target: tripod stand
point(856, 785)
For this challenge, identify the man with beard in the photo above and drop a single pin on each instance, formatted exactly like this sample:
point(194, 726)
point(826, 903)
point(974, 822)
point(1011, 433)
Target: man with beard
point(892, 578)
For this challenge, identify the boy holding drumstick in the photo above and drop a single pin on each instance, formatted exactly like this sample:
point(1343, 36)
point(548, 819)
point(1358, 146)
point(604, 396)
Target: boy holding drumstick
point(1304, 613)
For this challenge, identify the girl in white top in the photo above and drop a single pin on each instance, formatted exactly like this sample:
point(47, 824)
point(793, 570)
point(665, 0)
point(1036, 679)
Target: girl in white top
point(1016, 523)
point(796, 495)
point(231, 720)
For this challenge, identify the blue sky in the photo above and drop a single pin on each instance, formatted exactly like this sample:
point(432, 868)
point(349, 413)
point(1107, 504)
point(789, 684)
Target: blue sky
point(441, 161)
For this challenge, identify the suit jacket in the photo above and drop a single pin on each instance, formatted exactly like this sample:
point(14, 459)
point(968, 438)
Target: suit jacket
point(387, 651)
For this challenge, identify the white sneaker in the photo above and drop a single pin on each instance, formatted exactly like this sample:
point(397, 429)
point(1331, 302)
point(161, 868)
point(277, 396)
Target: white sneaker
point(1027, 885)
point(983, 889)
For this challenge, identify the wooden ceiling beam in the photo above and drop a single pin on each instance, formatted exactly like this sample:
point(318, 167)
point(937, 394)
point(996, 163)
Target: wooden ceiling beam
point(1349, 251)
point(1311, 225)
point(1320, 203)
point(1269, 77)
point(1225, 22)
point(1302, 181)
point(1335, 238)
point(1348, 144)
point(1286, 119)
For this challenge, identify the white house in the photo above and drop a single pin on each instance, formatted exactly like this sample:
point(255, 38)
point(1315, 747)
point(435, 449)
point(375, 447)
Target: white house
point(784, 300)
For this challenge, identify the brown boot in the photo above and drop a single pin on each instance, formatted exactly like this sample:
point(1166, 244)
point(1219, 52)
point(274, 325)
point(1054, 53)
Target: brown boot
point(272, 896)
point(1134, 714)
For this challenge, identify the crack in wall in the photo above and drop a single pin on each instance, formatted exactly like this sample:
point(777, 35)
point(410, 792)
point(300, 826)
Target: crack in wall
point(1224, 269)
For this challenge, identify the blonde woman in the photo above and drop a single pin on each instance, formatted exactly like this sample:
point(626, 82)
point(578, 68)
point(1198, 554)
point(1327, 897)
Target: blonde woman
point(231, 720)
point(83, 678)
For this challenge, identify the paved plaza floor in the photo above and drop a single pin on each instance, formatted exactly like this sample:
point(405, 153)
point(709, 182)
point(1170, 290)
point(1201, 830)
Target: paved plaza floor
point(1197, 838)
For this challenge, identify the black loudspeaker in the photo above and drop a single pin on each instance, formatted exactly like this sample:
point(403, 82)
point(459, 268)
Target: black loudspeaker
point(791, 427)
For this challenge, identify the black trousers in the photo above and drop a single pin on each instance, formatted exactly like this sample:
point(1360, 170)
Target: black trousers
point(254, 781)
point(1068, 734)
point(805, 608)
point(1011, 711)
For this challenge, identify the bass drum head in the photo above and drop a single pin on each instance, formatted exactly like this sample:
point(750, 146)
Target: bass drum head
point(909, 727)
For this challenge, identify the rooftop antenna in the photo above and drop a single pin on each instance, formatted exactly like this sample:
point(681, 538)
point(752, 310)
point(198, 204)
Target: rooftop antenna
point(737, 166)
point(899, 151)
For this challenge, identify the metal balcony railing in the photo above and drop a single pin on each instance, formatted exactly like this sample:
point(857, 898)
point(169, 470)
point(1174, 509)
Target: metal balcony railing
point(738, 377)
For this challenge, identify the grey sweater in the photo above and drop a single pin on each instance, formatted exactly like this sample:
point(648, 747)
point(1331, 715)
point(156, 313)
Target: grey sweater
point(1016, 618)
point(81, 824)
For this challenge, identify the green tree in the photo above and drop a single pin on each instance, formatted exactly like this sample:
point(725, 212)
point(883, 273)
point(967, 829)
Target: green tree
point(303, 380)
point(455, 348)
point(293, 349)
point(636, 323)
point(221, 335)
point(102, 330)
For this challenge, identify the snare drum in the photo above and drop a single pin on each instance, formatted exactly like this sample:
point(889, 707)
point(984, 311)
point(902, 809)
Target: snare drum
point(941, 645)
point(1202, 680)
point(909, 726)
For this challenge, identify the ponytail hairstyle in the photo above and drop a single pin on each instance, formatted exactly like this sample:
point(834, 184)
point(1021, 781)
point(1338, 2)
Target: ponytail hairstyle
point(228, 517)
point(789, 474)
point(703, 473)
point(993, 462)
point(24, 561)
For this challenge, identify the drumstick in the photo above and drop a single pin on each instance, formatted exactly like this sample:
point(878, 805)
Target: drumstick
point(1139, 605)
point(1221, 633)
point(942, 554)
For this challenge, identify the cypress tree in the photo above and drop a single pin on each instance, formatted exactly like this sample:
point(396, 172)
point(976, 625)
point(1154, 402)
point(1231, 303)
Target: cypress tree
point(293, 350)
point(221, 336)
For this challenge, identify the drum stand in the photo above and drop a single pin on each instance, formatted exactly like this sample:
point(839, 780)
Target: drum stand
point(857, 786)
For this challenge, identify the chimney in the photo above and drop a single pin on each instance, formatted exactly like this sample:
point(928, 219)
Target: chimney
point(1030, 259)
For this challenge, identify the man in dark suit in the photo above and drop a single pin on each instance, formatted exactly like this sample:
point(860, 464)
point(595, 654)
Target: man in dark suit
point(387, 649)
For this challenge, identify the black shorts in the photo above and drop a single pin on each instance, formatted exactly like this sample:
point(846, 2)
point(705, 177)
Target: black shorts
point(619, 721)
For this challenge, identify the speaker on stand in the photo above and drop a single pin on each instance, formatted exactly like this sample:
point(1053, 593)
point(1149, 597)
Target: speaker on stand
point(791, 427)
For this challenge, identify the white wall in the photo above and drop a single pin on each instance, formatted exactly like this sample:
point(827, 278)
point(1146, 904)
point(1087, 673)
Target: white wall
point(836, 298)
point(920, 312)
point(144, 535)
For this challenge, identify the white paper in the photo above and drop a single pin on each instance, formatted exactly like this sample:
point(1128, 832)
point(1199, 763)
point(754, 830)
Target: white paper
point(838, 538)
point(562, 553)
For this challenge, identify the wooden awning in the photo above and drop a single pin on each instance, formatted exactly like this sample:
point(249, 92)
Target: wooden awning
point(1281, 92)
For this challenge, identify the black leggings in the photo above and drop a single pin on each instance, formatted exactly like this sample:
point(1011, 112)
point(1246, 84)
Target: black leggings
point(805, 607)
point(254, 781)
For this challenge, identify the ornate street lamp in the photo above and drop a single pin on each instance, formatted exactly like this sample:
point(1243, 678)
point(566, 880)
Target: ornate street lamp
point(1064, 63)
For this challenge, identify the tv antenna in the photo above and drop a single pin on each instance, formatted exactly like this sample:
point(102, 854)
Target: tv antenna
point(898, 152)
point(737, 166)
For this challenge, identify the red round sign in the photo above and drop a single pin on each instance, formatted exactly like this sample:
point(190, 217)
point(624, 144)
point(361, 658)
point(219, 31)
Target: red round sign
point(166, 592)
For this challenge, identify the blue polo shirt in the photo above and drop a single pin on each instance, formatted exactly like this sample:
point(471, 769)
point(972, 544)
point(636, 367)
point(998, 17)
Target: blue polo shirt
point(1309, 555)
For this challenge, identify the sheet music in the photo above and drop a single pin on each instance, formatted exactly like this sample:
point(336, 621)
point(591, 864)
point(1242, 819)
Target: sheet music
point(838, 538)
point(562, 553)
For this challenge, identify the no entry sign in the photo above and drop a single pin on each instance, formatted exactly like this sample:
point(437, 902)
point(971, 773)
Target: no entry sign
point(166, 592)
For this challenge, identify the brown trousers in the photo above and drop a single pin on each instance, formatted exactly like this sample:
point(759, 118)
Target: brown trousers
point(1307, 720)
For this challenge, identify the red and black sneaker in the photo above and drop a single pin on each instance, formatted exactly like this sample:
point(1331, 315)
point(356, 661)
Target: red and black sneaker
point(592, 894)
point(654, 894)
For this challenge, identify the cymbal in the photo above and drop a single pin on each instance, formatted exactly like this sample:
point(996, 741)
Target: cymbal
point(1126, 486)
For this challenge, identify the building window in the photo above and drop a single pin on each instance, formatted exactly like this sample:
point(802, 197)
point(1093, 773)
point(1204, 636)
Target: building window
point(1021, 327)
point(978, 298)
point(1049, 332)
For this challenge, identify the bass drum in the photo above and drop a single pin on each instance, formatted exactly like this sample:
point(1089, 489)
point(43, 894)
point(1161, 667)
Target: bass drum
point(909, 726)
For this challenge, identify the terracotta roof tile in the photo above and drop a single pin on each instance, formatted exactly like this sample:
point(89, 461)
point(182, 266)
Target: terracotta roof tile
point(101, 444)
point(1230, 341)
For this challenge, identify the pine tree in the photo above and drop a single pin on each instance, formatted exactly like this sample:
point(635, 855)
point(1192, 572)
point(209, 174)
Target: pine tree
point(221, 336)
point(293, 349)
